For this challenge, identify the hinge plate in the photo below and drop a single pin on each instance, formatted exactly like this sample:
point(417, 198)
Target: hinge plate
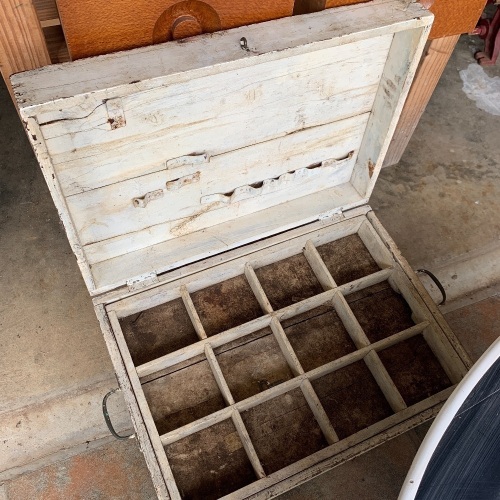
point(142, 281)
point(335, 213)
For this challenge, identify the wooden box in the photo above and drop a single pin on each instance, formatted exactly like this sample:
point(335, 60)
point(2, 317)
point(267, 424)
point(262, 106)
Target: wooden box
point(262, 324)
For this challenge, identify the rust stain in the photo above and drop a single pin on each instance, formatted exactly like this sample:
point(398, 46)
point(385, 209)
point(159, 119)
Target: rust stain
point(371, 168)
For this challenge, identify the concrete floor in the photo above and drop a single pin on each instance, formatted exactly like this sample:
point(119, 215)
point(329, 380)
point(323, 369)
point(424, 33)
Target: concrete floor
point(440, 204)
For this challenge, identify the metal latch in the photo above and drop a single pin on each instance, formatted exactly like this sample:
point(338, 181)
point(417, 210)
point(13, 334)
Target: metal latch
point(142, 281)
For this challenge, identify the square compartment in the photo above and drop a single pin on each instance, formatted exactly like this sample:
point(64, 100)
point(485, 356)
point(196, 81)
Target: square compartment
point(380, 311)
point(347, 259)
point(160, 330)
point(225, 305)
point(253, 364)
point(318, 337)
point(283, 430)
point(183, 396)
point(210, 463)
point(352, 399)
point(414, 369)
point(288, 281)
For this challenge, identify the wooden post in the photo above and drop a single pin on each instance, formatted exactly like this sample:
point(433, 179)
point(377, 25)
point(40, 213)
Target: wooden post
point(426, 79)
point(22, 44)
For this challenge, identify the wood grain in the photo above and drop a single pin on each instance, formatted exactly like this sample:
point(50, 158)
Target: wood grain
point(453, 17)
point(427, 77)
point(93, 28)
point(22, 45)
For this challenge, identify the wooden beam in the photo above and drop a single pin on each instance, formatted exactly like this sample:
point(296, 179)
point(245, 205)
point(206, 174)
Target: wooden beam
point(22, 44)
point(428, 74)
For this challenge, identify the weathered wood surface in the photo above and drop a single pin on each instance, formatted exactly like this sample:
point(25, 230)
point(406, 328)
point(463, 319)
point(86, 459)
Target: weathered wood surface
point(22, 44)
point(147, 167)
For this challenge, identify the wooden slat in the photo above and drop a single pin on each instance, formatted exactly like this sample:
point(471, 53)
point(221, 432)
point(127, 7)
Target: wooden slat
point(431, 68)
point(273, 40)
point(286, 347)
point(178, 213)
point(404, 54)
point(318, 266)
point(375, 246)
point(359, 354)
point(22, 44)
point(290, 152)
point(144, 408)
point(247, 444)
point(192, 350)
point(193, 314)
point(430, 308)
point(132, 404)
point(203, 243)
point(218, 375)
point(257, 289)
point(349, 320)
point(319, 412)
point(385, 382)
point(260, 253)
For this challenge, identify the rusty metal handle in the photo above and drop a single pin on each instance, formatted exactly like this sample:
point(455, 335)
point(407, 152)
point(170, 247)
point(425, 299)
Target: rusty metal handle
point(436, 282)
point(108, 420)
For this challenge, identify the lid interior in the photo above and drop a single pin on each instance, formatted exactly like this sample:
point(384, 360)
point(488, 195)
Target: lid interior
point(164, 155)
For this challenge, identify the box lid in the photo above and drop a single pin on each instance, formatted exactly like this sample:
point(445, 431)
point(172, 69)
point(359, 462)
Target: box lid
point(164, 155)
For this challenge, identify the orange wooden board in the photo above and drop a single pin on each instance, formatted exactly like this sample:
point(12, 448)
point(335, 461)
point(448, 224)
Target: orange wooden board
point(453, 17)
point(95, 27)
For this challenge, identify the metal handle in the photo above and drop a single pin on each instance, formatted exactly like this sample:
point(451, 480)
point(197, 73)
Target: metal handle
point(436, 282)
point(108, 420)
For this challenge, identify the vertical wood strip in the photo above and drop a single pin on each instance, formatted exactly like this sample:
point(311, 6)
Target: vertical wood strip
point(428, 74)
point(144, 408)
point(319, 412)
point(257, 289)
point(385, 382)
point(286, 347)
point(318, 266)
point(159, 481)
point(219, 376)
point(447, 358)
point(247, 444)
point(193, 314)
point(22, 44)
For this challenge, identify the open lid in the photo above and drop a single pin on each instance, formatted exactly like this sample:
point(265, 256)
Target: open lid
point(164, 155)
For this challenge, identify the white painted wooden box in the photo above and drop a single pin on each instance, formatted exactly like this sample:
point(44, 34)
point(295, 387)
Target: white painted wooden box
point(263, 325)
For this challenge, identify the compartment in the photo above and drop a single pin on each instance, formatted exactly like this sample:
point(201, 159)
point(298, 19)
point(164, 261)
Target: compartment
point(318, 337)
point(414, 369)
point(283, 430)
point(183, 396)
point(288, 281)
point(210, 463)
point(225, 305)
point(253, 364)
point(352, 399)
point(347, 259)
point(380, 311)
point(158, 331)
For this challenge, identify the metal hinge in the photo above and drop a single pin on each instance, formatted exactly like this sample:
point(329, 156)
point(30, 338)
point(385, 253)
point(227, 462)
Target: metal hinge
point(335, 213)
point(142, 281)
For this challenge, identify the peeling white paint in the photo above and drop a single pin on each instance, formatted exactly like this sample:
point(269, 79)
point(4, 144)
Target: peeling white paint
point(481, 88)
